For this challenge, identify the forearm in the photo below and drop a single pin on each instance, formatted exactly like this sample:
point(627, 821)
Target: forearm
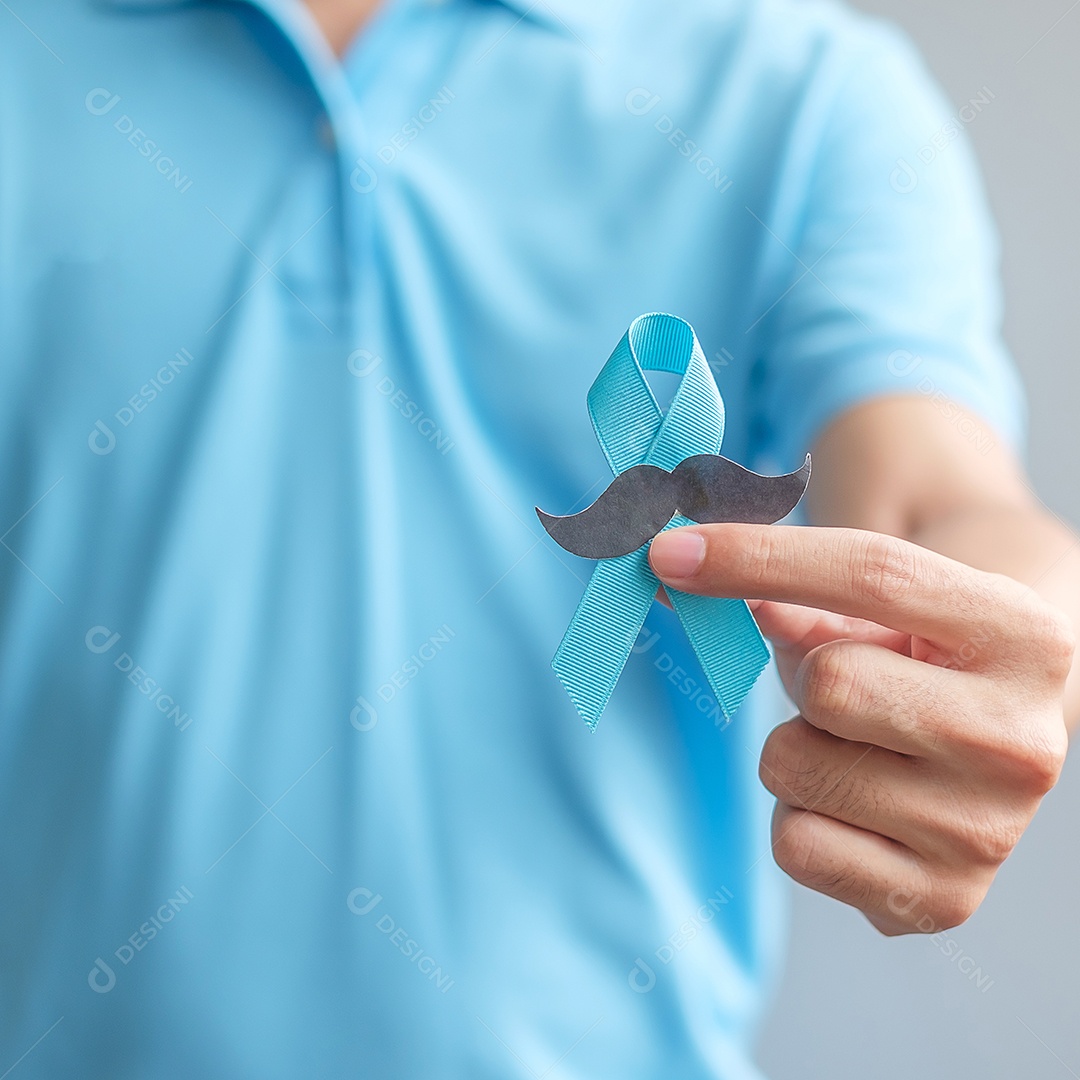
point(1029, 545)
point(894, 466)
point(865, 632)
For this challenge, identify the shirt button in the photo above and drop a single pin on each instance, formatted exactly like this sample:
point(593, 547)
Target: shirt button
point(326, 133)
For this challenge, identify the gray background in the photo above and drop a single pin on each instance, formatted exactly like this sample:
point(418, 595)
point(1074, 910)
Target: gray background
point(855, 1004)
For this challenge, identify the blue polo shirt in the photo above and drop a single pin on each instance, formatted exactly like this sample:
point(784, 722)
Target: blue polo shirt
point(289, 349)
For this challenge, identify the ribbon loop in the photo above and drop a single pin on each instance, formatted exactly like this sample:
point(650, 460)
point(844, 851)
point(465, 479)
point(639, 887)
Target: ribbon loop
point(633, 430)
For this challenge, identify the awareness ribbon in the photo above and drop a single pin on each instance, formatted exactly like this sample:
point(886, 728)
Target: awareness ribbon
point(633, 430)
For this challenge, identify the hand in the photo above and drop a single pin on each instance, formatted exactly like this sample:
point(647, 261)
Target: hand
point(930, 719)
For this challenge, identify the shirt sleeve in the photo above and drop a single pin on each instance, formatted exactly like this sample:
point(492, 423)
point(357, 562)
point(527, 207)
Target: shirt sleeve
point(886, 278)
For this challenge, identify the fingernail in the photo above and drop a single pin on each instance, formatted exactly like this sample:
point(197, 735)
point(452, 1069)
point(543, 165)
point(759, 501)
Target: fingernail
point(677, 554)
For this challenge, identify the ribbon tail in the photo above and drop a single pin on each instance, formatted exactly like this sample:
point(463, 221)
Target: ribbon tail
point(727, 642)
point(598, 641)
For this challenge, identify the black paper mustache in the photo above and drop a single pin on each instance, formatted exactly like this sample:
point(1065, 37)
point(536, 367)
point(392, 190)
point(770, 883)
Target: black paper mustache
point(706, 488)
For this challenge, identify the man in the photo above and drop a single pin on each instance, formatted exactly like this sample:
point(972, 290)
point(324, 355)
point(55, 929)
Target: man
point(300, 307)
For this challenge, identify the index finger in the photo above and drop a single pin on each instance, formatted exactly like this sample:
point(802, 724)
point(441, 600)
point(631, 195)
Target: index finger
point(851, 572)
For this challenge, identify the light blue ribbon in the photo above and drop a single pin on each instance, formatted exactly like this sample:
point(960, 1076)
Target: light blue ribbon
point(633, 430)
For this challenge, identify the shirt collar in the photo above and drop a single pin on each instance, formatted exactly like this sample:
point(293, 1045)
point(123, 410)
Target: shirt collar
point(578, 21)
point(567, 14)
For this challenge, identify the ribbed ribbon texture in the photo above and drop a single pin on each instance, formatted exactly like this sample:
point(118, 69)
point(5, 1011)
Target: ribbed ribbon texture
point(633, 430)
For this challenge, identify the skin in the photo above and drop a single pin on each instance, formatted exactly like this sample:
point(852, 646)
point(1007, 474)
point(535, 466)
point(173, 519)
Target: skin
point(341, 20)
point(924, 632)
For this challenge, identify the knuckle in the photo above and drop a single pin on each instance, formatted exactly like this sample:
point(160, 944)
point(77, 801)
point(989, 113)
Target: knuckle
point(891, 928)
point(998, 838)
point(785, 768)
point(991, 839)
point(791, 852)
point(898, 926)
point(888, 569)
point(1055, 639)
point(1038, 756)
point(1031, 626)
point(907, 911)
point(799, 852)
point(952, 906)
point(772, 765)
point(828, 681)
